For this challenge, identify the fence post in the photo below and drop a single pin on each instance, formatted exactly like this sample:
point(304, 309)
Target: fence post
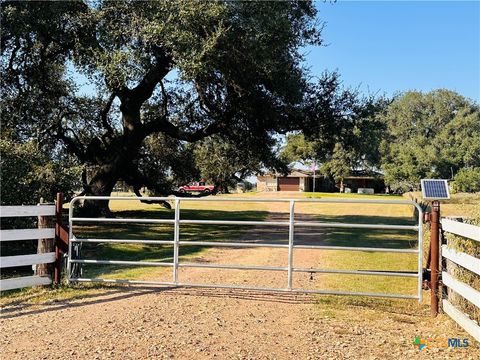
point(57, 272)
point(44, 245)
point(176, 239)
point(434, 261)
point(290, 243)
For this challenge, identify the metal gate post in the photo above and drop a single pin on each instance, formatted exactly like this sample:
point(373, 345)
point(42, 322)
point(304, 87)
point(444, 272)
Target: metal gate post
point(58, 226)
point(176, 239)
point(434, 247)
point(70, 238)
point(290, 242)
point(420, 257)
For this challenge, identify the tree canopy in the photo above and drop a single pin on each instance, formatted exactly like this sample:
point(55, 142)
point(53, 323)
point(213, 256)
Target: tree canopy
point(28, 175)
point(342, 130)
point(183, 69)
point(430, 135)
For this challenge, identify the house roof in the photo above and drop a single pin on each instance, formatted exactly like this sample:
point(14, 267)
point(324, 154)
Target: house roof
point(293, 173)
point(354, 174)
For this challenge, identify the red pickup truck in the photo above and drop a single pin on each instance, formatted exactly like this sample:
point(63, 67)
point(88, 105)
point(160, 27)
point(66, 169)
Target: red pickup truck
point(200, 187)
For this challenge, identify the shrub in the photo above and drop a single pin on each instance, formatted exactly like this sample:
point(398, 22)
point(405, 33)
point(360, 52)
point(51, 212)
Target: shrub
point(467, 180)
point(28, 174)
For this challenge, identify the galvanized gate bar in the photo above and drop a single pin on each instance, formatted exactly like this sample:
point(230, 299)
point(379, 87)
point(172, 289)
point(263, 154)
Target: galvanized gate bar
point(122, 281)
point(236, 222)
point(187, 199)
point(420, 252)
point(120, 262)
point(233, 267)
point(355, 248)
point(357, 272)
point(124, 241)
point(290, 269)
point(241, 287)
point(232, 244)
point(355, 226)
point(125, 220)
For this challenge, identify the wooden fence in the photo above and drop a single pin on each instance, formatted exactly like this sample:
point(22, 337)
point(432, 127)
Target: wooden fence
point(468, 262)
point(55, 232)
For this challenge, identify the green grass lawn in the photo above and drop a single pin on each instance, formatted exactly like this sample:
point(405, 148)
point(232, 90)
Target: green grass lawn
point(353, 196)
point(162, 232)
point(377, 261)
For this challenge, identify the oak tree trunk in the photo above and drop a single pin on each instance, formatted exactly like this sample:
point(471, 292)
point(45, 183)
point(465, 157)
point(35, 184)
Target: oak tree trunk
point(101, 184)
point(114, 162)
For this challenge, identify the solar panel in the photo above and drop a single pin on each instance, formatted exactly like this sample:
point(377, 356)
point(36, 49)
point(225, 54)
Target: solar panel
point(433, 189)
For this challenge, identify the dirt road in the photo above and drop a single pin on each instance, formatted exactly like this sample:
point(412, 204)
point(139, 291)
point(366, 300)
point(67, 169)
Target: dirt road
point(135, 323)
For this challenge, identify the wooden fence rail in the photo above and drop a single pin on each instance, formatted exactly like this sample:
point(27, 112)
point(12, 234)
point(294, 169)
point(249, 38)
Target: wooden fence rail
point(468, 262)
point(51, 257)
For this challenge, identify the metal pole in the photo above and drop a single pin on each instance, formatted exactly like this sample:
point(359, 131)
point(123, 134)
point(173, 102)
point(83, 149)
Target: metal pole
point(58, 227)
point(290, 243)
point(434, 247)
point(70, 237)
point(176, 239)
point(420, 256)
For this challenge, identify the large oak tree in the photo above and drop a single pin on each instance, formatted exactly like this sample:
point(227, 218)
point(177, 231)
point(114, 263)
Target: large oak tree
point(101, 77)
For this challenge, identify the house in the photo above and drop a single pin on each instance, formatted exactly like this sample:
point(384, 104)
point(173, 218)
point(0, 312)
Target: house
point(302, 180)
point(296, 180)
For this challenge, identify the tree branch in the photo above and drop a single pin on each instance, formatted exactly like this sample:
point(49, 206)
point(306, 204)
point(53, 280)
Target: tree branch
point(104, 117)
point(165, 99)
point(208, 106)
point(166, 127)
point(144, 90)
point(165, 204)
point(86, 187)
point(72, 146)
point(12, 57)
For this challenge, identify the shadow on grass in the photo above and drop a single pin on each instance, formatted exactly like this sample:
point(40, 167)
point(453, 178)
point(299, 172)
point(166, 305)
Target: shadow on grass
point(384, 238)
point(163, 232)
point(352, 237)
point(197, 214)
point(366, 219)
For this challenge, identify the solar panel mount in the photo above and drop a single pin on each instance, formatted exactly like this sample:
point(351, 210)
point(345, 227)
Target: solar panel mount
point(435, 189)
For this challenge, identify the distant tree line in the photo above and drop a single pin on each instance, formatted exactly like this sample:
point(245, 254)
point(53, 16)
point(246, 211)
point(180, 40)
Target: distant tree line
point(415, 135)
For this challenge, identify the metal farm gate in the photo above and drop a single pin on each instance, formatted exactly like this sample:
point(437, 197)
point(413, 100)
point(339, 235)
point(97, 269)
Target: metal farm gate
point(74, 258)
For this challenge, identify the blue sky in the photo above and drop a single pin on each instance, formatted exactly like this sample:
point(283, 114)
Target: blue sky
point(394, 46)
